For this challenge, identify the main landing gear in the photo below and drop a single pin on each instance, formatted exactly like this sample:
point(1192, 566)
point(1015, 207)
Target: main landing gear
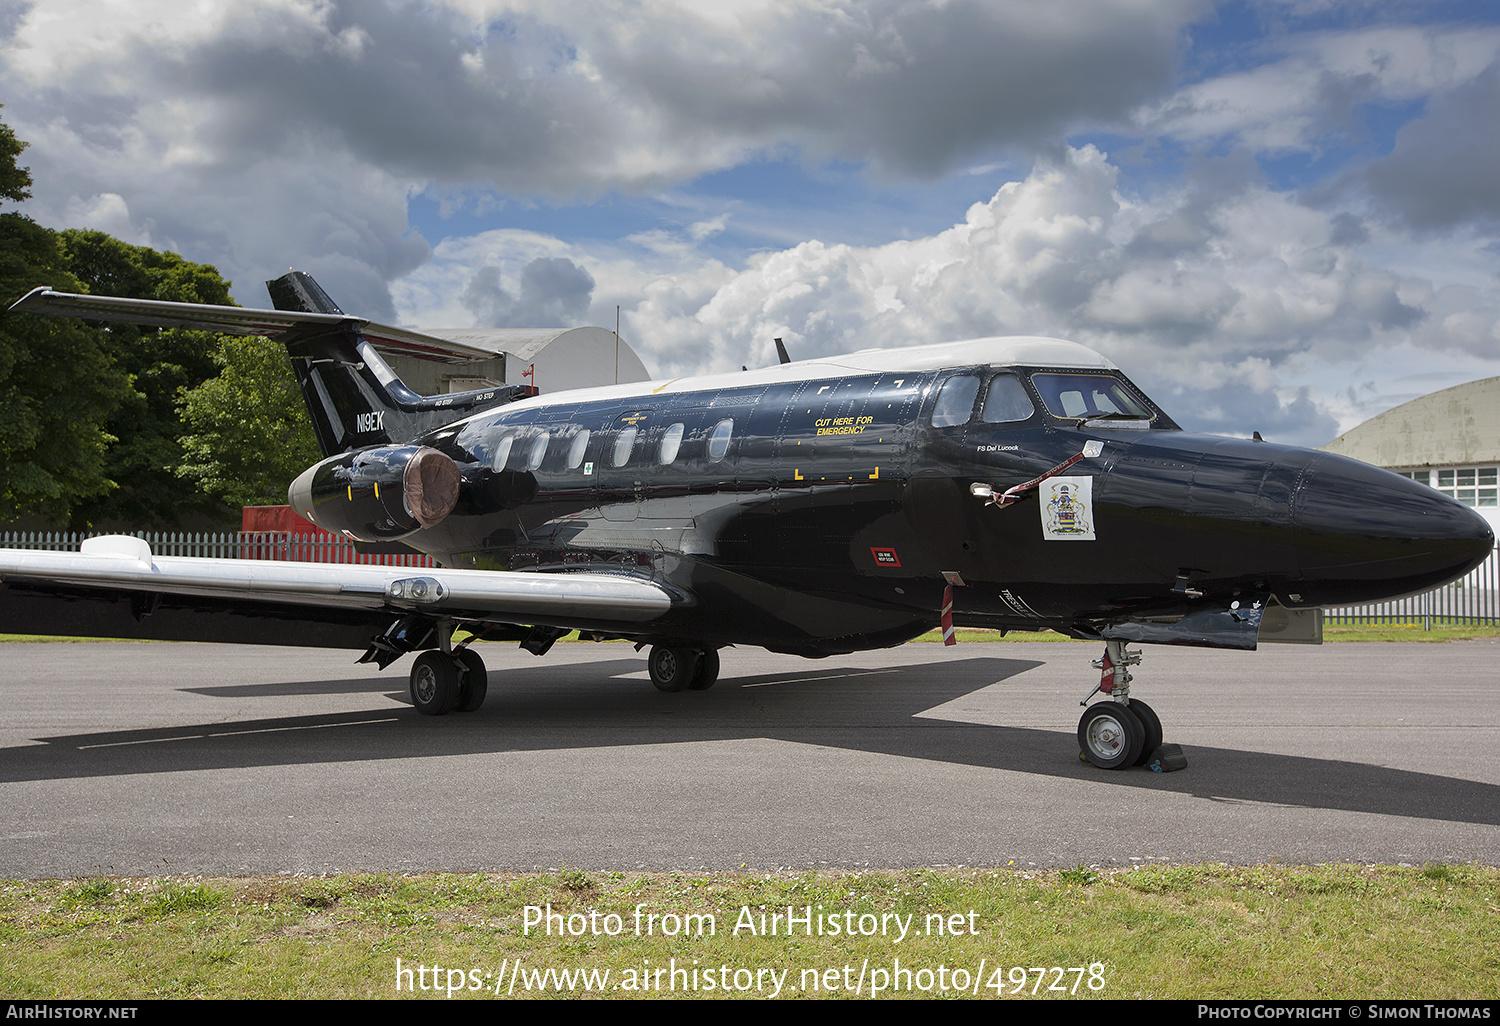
point(448, 680)
point(1123, 731)
point(683, 669)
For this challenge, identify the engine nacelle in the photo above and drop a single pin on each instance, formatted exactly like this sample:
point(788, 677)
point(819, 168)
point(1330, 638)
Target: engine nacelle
point(378, 494)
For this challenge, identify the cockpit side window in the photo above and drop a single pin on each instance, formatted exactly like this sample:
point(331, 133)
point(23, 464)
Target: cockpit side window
point(1006, 401)
point(955, 402)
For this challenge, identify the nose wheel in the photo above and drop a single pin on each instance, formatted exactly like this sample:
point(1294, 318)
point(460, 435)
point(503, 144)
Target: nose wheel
point(1110, 735)
point(1123, 731)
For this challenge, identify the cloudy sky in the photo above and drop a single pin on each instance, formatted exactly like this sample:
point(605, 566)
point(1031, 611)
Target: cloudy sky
point(1280, 215)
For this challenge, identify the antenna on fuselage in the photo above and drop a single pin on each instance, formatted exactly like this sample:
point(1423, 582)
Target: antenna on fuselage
point(781, 352)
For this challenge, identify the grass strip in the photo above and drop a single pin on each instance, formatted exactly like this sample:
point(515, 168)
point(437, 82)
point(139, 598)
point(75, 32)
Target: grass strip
point(1156, 931)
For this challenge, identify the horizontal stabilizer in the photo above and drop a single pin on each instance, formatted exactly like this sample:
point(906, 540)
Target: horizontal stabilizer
point(236, 320)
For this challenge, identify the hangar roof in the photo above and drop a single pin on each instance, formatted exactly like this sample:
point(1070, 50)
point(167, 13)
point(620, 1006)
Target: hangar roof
point(1459, 426)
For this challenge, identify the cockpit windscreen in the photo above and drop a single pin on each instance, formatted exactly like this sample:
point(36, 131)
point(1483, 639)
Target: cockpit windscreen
point(1088, 396)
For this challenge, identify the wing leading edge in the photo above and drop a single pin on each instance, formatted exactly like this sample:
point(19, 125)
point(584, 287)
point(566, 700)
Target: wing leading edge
point(585, 599)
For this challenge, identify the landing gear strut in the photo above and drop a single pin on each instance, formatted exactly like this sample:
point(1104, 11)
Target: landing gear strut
point(1123, 731)
point(449, 679)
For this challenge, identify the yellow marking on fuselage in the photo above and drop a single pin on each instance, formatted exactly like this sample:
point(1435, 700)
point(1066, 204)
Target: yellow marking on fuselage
point(796, 474)
point(672, 382)
point(875, 476)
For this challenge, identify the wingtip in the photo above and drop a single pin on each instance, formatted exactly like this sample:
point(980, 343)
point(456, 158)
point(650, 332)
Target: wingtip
point(30, 300)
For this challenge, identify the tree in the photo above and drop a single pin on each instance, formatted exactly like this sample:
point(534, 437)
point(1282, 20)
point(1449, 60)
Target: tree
point(95, 415)
point(57, 382)
point(15, 181)
point(249, 430)
point(161, 364)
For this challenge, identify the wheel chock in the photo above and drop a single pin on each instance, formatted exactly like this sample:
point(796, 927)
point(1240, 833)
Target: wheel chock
point(1167, 759)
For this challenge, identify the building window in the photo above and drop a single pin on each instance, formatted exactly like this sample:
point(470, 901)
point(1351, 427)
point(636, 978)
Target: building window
point(1472, 486)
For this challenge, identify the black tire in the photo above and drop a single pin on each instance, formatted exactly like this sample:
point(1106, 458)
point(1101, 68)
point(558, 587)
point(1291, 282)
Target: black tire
point(1152, 725)
point(1110, 735)
point(475, 683)
point(672, 669)
point(707, 673)
point(434, 683)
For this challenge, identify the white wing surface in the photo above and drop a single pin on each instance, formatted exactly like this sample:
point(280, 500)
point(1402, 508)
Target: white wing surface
point(121, 563)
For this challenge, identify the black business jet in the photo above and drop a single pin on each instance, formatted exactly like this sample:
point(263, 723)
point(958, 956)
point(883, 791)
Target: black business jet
point(815, 507)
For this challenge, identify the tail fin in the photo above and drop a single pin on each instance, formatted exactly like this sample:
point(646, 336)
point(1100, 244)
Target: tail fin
point(354, 398)
point(297, 291)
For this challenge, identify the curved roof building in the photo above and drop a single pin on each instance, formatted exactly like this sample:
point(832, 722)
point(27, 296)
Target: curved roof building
point(1449, 440)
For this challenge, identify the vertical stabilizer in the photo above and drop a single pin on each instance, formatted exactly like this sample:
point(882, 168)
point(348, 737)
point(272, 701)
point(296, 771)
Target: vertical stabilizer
point(297, 291)
point(354, 398)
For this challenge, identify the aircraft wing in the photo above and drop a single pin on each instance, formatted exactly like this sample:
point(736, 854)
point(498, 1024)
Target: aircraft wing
point(238, 320)
point(337, 592)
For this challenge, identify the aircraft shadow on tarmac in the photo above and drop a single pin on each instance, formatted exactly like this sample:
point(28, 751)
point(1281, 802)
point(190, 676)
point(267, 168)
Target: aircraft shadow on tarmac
point(558, 706)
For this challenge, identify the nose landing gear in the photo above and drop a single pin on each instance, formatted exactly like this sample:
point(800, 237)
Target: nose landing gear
point(1123, 731)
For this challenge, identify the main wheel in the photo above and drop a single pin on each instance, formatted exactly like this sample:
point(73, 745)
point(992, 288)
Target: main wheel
point(672, 669)
point(475, 684)
point(707, 673)
point(1152, 725)
point(434, 683)
point(1110, 735)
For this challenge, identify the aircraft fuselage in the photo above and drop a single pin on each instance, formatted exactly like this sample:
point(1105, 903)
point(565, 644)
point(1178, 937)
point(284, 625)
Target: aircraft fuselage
point(829, 512)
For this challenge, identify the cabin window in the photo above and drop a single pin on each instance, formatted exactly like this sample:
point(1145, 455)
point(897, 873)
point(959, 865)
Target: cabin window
point(956, 401)
point(718, 442)
point(624, 442)
point(671, 441)
point(538, 451)
point(577, 449)
point(1081, 396)
point(502, 454)
point(1006, 401)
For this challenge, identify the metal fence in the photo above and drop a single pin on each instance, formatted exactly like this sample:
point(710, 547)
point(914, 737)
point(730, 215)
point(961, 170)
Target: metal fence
point(1473, 601)
point(300, 548)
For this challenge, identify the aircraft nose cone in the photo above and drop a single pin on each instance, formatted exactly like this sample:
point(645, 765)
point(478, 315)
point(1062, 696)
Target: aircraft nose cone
point(1364, 534)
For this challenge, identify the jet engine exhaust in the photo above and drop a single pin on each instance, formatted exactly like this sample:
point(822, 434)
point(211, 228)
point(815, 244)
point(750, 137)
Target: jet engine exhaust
point(378, 494)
